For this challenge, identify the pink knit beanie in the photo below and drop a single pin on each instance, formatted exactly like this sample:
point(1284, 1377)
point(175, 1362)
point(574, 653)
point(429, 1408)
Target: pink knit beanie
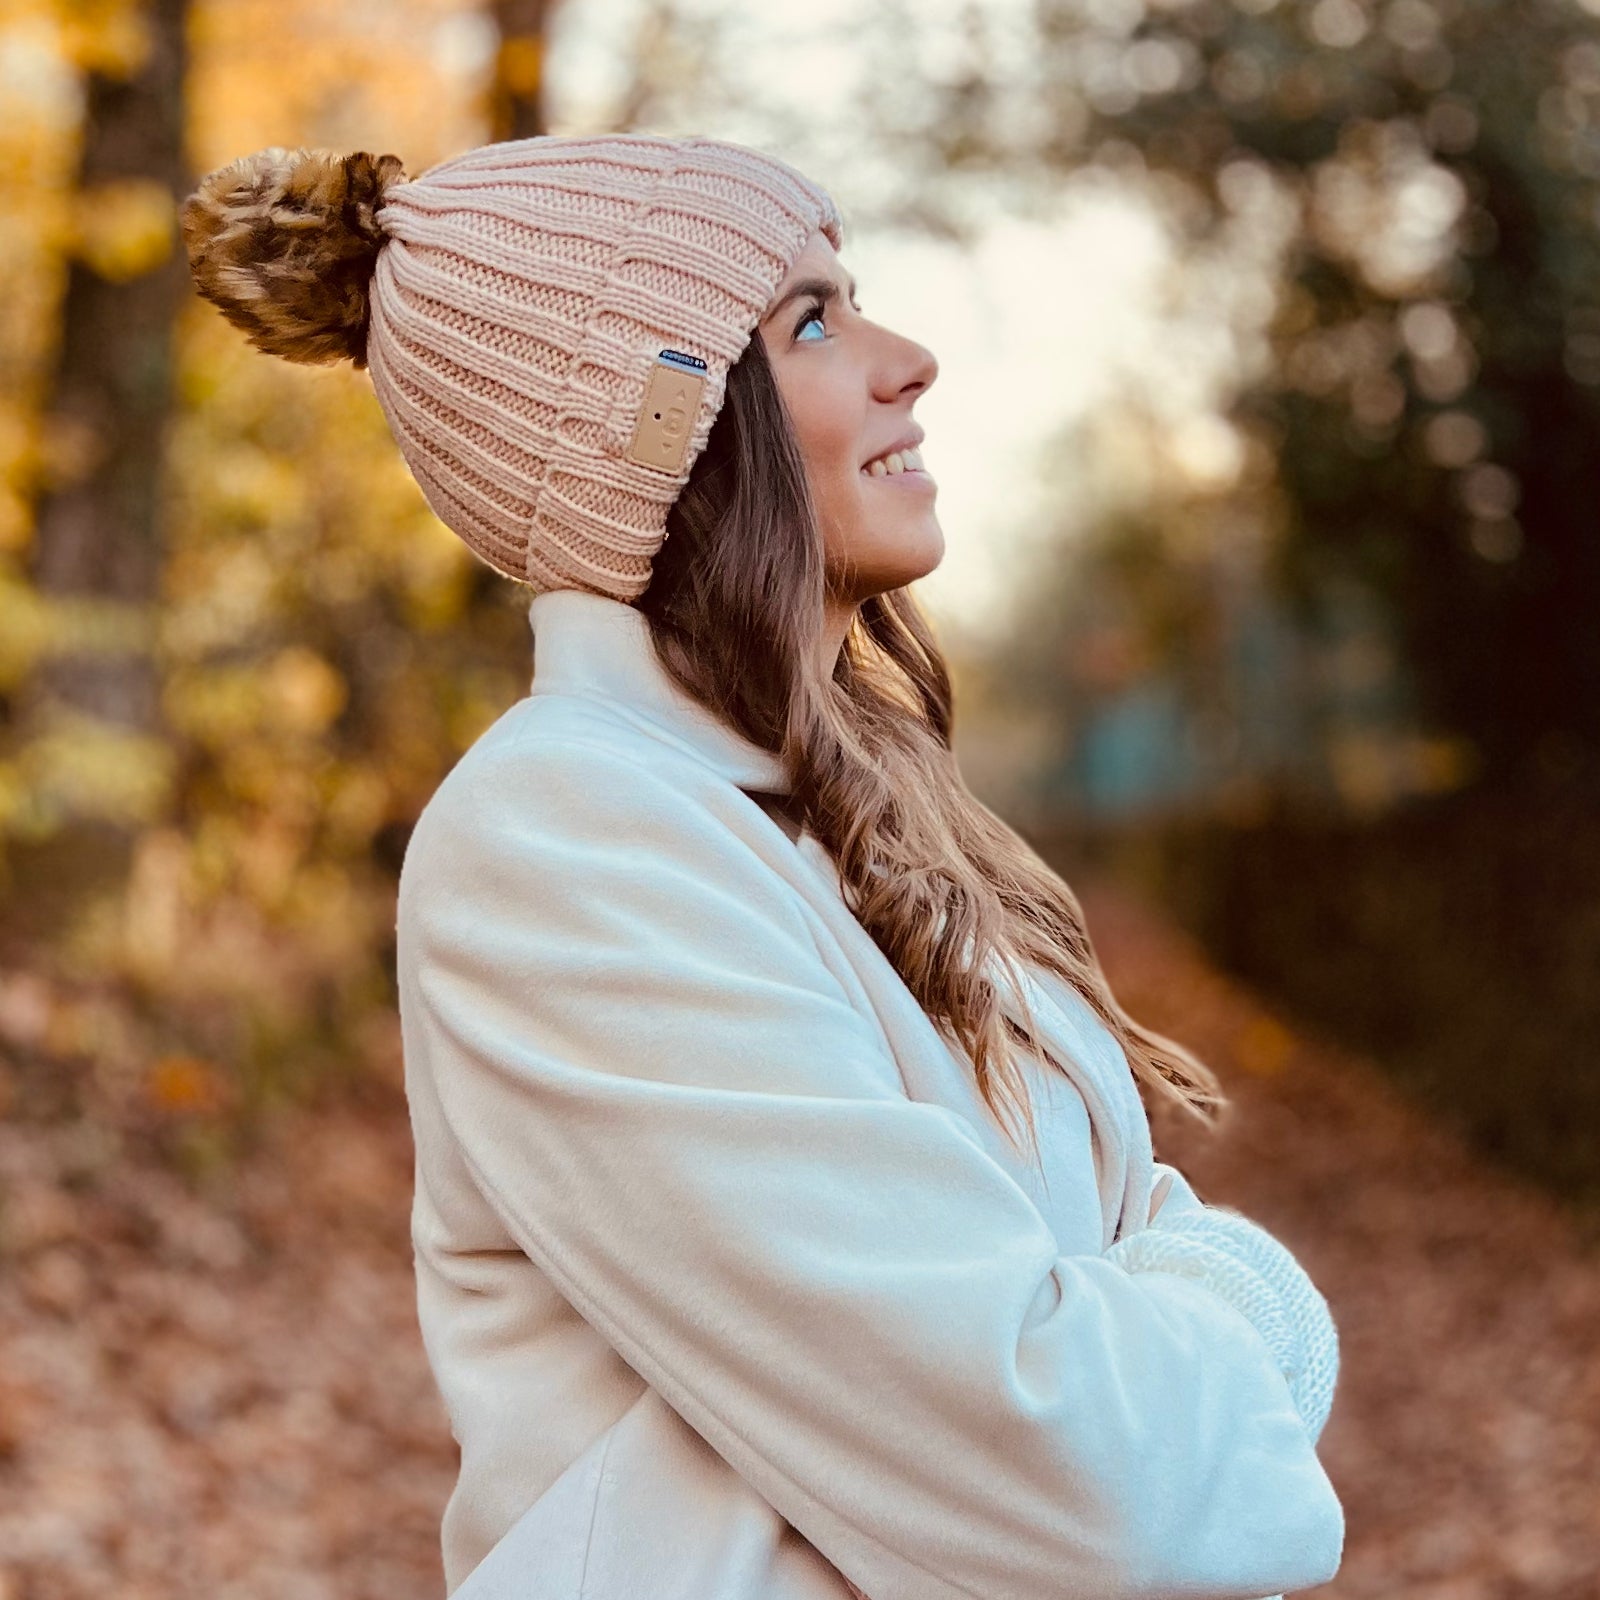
point(548, 323)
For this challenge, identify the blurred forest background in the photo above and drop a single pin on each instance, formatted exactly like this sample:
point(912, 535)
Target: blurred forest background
point(1321, 667)
point(1316, 669)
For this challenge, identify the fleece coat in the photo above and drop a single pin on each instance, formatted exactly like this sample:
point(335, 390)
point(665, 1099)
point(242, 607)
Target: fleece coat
point(732, 1285)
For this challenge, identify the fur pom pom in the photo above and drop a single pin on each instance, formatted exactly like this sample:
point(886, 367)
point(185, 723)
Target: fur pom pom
point(284, 243)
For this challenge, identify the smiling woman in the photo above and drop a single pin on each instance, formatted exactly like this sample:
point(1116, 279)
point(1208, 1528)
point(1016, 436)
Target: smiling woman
point(718, 987)
point(848, 386)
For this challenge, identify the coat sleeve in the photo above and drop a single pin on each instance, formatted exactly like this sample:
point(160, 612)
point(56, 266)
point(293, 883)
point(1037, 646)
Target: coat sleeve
point(1222, 1248)
point(677, 1113)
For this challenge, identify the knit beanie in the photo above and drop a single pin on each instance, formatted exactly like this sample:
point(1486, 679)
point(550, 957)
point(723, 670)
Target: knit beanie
point(548, 323)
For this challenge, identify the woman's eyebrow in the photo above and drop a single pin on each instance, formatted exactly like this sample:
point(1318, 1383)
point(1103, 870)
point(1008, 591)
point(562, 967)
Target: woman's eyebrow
point(823, 289)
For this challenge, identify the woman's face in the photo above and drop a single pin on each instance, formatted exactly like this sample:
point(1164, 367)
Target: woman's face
point(849, 385)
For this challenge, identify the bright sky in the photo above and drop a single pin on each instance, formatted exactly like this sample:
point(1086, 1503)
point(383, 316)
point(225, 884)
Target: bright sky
point(1032, 327)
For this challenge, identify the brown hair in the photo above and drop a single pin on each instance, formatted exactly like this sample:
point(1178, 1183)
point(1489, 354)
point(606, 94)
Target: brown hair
point(949, 892)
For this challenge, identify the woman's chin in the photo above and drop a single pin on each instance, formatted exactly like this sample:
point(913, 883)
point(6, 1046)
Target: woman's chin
point(893, 561)
point(909, 565)
point(929, 550)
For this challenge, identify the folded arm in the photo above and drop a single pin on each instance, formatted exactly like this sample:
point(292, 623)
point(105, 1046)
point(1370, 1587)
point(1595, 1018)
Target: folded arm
point(681, 1119)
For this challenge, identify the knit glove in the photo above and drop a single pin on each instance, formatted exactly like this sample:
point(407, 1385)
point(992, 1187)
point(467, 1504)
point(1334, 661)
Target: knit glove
point(1239, 1260)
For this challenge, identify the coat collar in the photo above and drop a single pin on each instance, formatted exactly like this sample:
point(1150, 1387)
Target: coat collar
point(599, 648)
point(592, 645)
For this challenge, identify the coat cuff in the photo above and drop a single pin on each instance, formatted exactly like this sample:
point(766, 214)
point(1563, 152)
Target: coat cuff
point(1255, 1273)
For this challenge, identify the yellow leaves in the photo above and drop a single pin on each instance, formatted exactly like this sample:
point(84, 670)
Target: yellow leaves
point(357, 803)
point(266, 859)
point(110, 38)
point(521, 63)
point(295, 692)
point(254, 485)
point(480, 701)
point(214, 705)
point(436, 580)
point(285, 511)
point(305, 693)
point(16, 520)
point(217, 594)
point(123, 228)
point(17, 448)
point(24, 627)
point(14, 796)
point(410, 87)
point(33, 624)
point(83, 766)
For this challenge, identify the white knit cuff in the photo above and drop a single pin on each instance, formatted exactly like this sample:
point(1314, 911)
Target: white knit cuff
point(1239, 1260)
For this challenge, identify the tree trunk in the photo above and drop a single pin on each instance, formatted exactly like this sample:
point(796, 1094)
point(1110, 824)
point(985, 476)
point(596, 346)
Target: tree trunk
point(516, 97)
point(97, 541)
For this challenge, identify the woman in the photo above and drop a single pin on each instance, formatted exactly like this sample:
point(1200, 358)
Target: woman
point(722, 998)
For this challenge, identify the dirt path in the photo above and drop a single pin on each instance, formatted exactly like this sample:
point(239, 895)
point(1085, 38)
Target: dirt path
point(1465, 1433)
point(227, 1399)
point(209, 1400)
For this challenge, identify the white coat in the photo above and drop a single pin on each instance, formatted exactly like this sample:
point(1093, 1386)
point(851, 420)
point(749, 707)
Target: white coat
point(732, 1285)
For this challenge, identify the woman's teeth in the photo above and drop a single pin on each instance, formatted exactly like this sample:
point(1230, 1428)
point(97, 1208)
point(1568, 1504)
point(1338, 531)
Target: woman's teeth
point(895, 462)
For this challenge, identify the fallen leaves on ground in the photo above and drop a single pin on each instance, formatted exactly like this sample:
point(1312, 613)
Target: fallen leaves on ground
point(217, 1388)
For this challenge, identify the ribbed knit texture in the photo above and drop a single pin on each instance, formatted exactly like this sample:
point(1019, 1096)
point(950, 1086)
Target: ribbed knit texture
point(1254, 1272)
point(521, 297)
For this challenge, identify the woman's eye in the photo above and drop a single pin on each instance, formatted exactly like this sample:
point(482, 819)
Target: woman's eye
point(813, 315)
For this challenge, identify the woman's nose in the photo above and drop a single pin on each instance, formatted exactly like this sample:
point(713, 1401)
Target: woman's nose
point(910, 370)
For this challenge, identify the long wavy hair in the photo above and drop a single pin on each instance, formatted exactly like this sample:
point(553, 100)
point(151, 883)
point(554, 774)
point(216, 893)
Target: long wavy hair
point(952, 896)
